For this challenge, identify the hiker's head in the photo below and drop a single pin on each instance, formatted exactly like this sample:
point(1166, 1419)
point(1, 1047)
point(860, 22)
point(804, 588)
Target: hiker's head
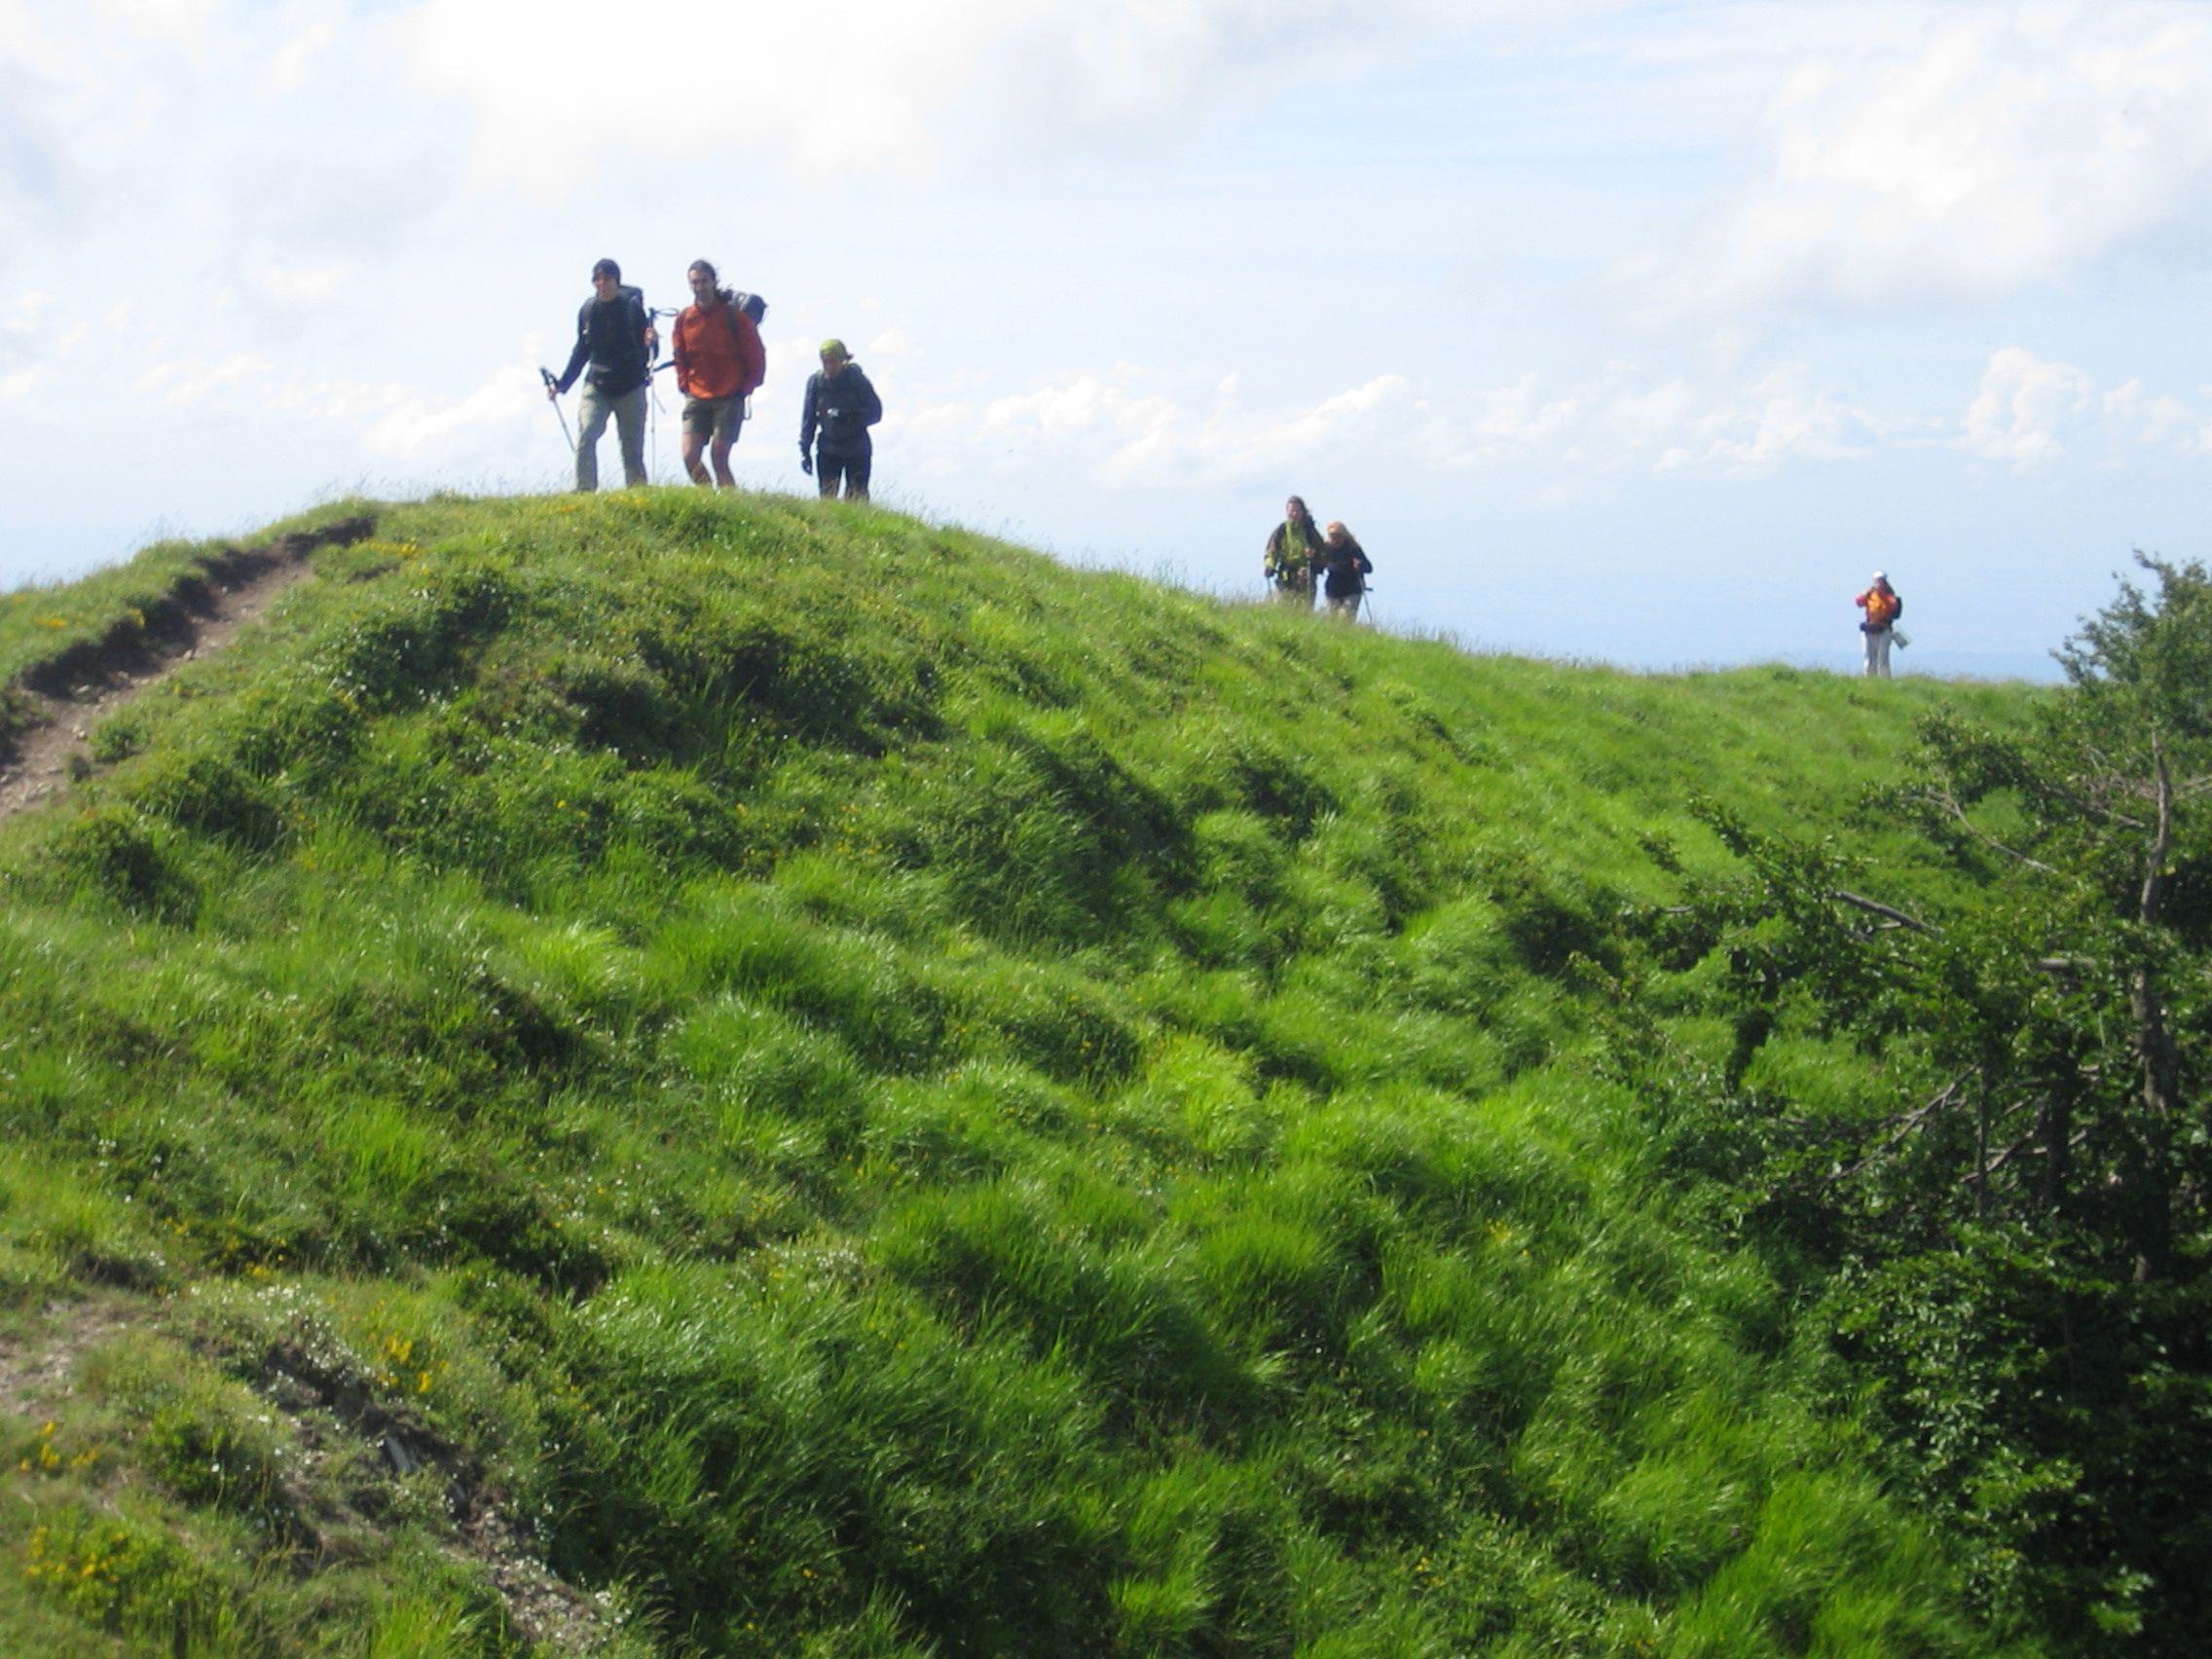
point(1337, 532)
point(1880, 580)
point(1295, 509)
point(702, 276)
point(834, 357)
point(606, 276)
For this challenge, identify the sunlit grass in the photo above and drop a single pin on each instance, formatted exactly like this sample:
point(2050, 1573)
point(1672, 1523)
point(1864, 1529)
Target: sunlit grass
point(876, 1094)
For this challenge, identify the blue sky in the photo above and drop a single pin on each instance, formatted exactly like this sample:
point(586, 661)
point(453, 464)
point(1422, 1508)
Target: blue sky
point(1629, 332)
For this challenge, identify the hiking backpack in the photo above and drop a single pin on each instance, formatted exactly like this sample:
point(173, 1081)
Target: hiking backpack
point(622, 291)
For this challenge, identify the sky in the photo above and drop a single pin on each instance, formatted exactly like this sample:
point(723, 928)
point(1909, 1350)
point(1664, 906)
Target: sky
point(1637, 333)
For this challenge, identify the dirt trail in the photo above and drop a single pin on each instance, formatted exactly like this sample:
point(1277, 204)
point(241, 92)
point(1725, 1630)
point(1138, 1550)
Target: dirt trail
point(71, 694)
point(40, 1358)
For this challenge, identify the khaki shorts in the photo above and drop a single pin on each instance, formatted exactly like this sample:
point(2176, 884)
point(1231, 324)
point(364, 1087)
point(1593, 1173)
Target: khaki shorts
point(718, 417)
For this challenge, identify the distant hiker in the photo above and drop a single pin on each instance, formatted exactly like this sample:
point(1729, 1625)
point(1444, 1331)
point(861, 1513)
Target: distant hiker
point(1294, 554)
point(1883, 607)
point(720, 362)
point(615, 334)
point(1348, 567)
point(841, 406)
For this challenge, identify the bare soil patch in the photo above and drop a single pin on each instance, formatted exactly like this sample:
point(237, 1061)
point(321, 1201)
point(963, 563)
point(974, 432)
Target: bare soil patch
point(38, 1362)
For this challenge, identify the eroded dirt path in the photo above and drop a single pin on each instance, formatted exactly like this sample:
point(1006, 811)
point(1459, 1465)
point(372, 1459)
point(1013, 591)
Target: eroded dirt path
point(327, 1420)
point(74, 692)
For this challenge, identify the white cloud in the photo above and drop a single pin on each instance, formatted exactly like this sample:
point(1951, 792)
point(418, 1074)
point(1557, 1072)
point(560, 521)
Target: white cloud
point(1784, 416)
point(298, 282)
point(1990, 147)
point(437, 426)
point(1133, 427)
point(183, 382)
point(183, 22)
point(905, 88)
point(1628, 418)
point(1129, 434)
point(289, 63)
point(2024, 405)
point(2163, 423)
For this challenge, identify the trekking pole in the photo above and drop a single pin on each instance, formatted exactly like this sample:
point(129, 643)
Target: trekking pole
point(553, 387)
point(652, 401)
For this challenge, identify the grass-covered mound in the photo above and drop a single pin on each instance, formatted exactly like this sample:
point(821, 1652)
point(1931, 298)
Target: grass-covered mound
point(674, 1075)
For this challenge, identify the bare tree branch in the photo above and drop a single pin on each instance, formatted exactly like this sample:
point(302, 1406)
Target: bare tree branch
point(1910, 1122)
point(1868, 905)
point(1950, 803)
point(2011, 1152)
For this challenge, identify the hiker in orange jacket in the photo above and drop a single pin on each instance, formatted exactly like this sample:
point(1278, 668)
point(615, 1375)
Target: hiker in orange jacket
point(720, 362)
point(1883, 607)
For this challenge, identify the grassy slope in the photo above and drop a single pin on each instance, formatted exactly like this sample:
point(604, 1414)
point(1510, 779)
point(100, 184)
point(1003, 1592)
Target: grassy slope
point(853, 1089)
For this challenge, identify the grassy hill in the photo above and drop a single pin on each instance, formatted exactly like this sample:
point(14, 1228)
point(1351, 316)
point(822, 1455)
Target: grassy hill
point(662, 1075)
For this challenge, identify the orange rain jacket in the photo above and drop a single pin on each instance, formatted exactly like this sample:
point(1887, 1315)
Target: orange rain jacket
point(1881, 605)
point(719, 353)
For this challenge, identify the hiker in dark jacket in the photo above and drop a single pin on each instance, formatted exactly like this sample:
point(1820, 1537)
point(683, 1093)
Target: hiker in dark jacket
point(1294, 554)
point(1346, 566)
point(615, 335)
point(841, 406)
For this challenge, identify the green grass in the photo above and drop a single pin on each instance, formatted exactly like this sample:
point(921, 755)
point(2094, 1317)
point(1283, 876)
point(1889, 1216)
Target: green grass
point(870, 1093)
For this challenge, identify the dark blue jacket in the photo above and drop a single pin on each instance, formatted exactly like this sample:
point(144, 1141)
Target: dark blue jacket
point(1347, 567)
point(842, 410)
point(612, 334)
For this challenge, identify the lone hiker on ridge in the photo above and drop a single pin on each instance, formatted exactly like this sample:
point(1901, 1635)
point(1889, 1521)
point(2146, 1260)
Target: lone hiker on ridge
point(720, 363)
point(615, 334)
point(842, 406)
point(1294, 554)
point(1883, 607)
point(1347, 567)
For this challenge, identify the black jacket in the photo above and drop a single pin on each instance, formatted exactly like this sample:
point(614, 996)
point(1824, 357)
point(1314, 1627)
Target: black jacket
point(1346, 566)
point(612, 334)
point(841, 410)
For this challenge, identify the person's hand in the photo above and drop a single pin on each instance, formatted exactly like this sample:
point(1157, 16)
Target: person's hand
point(552, 392)
point(806, 463)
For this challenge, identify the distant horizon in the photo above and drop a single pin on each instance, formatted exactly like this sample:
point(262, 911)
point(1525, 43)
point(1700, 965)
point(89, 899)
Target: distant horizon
point(1633, 331)
point(2037, 667)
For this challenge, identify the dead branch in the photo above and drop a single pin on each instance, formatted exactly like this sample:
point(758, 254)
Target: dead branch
point(2011, 1152)
point(1951, 804)
point(1897, 916)
point(1910, 1122)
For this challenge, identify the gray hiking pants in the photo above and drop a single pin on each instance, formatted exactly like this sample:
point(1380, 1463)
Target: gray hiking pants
point(629, 412)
